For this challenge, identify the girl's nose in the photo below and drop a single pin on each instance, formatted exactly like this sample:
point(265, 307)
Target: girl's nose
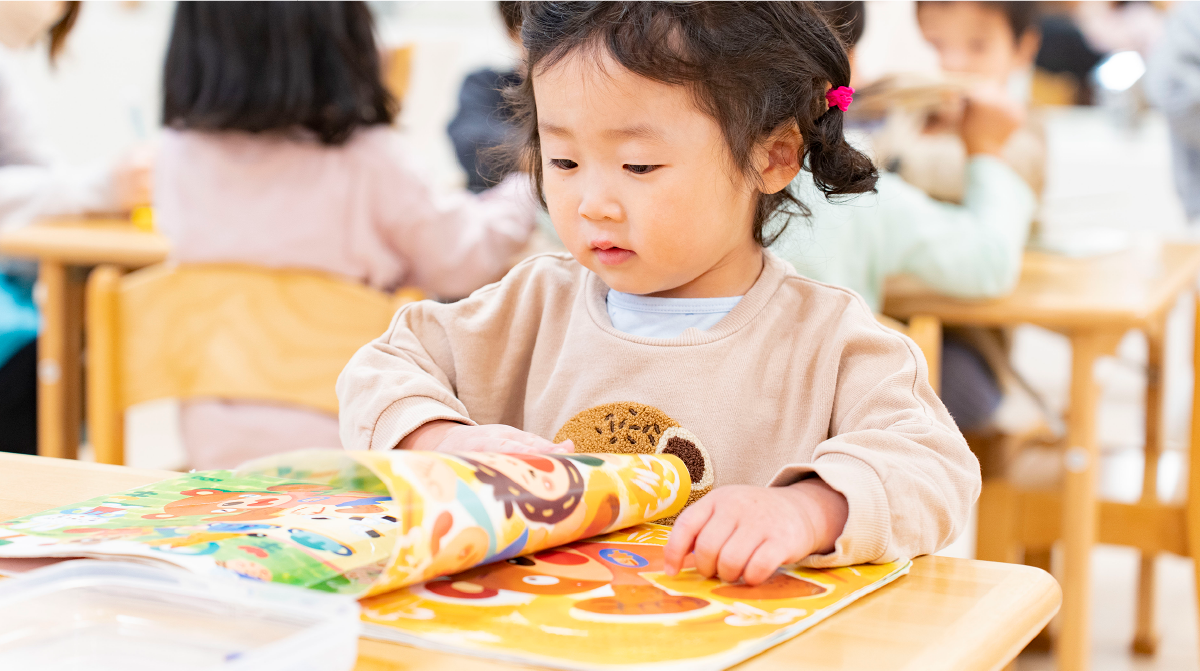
point(599, 204)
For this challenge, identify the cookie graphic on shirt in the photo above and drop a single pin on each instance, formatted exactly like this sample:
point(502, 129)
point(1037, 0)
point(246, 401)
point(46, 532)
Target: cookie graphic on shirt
point(635, 428)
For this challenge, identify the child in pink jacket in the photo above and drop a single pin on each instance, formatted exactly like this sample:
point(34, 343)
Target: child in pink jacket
point(279, 153)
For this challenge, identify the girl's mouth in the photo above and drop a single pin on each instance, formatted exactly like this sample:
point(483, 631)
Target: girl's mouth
point(613, 256)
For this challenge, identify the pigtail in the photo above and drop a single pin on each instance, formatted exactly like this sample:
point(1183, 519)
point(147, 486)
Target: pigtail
point(837, 167)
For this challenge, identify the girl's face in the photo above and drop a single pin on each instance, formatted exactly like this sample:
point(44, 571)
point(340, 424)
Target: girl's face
point(22, 24)
point(640, 182)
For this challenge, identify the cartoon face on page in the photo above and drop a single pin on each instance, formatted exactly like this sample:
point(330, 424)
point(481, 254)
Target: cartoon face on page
point(543, 489)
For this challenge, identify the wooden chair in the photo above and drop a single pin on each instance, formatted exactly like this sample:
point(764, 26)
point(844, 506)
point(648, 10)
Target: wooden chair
point(220, 331)
point(397, 70)
point(927, 333)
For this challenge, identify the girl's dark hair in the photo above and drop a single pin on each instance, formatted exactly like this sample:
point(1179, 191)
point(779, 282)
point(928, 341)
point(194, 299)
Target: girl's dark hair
point(848, 20)
point(754, 67)
point(62, 28)
point(263, 66)
point(510, 13)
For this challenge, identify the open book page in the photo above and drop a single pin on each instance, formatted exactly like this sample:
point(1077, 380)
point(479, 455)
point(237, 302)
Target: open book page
point(360, 522)
point(604, 603)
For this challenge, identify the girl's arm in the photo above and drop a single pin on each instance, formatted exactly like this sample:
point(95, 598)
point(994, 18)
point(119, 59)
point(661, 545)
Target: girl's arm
point(464, 363)
point(894, 452)
point(454, 243)
point(894, 480)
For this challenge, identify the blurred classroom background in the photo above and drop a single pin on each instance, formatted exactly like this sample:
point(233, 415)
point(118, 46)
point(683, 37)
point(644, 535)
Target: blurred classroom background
point(1108, 185)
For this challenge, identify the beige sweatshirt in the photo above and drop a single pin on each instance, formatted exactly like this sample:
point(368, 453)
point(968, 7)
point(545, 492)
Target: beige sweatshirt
point(798, 378)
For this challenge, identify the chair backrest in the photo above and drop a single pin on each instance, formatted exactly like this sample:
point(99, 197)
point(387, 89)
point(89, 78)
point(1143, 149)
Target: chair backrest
point(221, 331)
point(927, 333)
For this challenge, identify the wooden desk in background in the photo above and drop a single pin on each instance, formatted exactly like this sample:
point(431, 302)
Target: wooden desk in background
point(1094, 302)
point(66, 249)
point(947, 614)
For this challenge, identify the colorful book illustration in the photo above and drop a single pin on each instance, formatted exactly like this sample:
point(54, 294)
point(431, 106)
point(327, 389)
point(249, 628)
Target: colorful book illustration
point(478, 553)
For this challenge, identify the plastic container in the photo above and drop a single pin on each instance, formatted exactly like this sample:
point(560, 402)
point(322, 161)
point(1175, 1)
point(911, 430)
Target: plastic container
point(105, 616)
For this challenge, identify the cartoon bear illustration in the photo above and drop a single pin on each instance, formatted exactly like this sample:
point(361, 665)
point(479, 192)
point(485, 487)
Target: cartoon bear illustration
point(635, 428)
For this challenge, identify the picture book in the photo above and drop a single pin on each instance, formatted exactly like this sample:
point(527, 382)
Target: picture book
point(360, 522)
point(550, 560)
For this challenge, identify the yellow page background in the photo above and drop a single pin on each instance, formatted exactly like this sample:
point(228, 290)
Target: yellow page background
point(604, 603)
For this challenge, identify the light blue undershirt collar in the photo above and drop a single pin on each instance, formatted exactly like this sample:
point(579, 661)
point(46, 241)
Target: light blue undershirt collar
point(654, 317)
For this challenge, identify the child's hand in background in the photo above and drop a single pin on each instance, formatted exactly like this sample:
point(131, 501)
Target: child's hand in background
point(133, 178)
point(446, 436)
point(746, 532)
point(989, 119)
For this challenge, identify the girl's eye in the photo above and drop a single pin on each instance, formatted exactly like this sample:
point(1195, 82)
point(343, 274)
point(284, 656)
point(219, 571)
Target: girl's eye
point(563, 163)
point(641, 169)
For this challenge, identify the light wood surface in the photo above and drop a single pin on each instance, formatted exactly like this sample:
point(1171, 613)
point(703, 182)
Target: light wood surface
point(1094, 302)
point(86, 242)
point(1124, 290)
point(947, 614)
point(66, 249)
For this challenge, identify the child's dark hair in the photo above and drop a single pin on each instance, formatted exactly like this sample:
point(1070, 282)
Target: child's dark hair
point(1021, 16)
point(263, 66)
point(754, 67)
point(510, 13)
point(62, 28)
point(848, 20)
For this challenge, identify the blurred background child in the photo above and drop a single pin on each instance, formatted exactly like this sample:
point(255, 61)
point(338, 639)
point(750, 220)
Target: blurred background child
point(33, 185)
point(483, 121)
point(278, 152)
point(988, 50)
point(972, 250)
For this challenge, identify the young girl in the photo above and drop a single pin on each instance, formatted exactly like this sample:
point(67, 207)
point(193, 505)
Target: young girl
point(279, 152)
point(663, 136)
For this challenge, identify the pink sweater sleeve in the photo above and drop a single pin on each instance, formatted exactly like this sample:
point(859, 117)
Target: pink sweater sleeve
point(455, 242)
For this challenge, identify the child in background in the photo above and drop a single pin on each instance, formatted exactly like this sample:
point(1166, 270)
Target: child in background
point(990, 47)
point(483, 121)
point(972, 250)
point(662, 137)
point(33, 186)
point(278, 152)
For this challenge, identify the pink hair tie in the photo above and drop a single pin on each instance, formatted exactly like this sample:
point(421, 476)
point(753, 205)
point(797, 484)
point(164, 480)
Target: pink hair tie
point(840, 97)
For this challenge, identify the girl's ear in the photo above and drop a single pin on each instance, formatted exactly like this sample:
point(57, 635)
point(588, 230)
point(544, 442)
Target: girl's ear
point(778, 161)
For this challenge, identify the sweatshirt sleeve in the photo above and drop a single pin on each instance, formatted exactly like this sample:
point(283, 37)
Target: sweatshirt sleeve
point(973, 250)
point(454, 242)
point(450, 361)
point(893, 451)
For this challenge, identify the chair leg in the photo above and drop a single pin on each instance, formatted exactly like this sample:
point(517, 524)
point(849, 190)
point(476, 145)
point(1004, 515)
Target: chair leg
point(1040, 558)
point(996, 538)
point(1145, 637)
point(1192, 507)
point(105, 413)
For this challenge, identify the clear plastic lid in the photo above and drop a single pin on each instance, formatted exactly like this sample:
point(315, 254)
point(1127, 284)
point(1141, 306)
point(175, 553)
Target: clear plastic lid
point(107, 615)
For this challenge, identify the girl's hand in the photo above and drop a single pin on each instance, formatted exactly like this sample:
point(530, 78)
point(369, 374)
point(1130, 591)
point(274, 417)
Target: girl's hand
point(746, 532)
point(446, 436)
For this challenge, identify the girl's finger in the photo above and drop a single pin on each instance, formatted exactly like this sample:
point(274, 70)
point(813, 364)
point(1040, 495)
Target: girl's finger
point(683, 535)
point(736, 553)
point(764, 562)
point(715, 534)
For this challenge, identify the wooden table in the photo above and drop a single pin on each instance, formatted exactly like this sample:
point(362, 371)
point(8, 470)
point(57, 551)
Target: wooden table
point(66, 249)
point(950, 614)
point(1094, 302)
